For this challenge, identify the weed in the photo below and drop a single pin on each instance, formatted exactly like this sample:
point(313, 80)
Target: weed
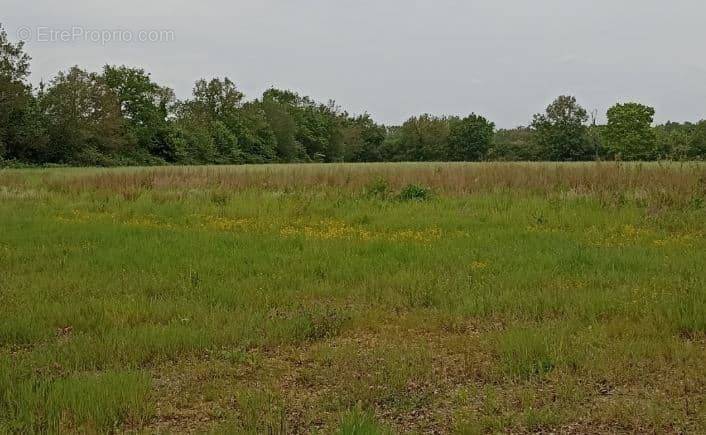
point(360, 422)
point(414, 192)
point(378, 189)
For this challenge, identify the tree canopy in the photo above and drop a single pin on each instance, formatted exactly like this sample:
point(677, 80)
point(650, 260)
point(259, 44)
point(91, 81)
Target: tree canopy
point(122, 116)
point(629, 134)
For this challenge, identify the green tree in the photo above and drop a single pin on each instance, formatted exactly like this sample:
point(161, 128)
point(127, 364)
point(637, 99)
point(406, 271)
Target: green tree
point(561, 132)
point(363, 139)
point(673, 140)
point(304, 129)
point(629, 134)
point(284, 118)
point(470, 138)
point(320, 132)
point(424, 138)
point(144, 105)
point(697, 142)
point(15, 93)
point(208, 125)
point(256, 138)
point(192, 137)
point(514, 144)
point(392, 148)
point(85, 122)
point(217, 98)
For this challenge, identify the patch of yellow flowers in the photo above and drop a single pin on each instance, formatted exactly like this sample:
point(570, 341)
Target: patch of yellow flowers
point(220, 223)
point(339, 230)
point(330, 229)
point(479, 265)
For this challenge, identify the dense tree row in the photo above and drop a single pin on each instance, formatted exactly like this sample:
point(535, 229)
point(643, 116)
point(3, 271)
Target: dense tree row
point(120, 116)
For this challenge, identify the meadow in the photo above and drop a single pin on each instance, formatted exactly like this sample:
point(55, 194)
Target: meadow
point(354, 299)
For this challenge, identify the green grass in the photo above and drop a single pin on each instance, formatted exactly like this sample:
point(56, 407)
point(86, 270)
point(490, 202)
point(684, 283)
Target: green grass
point(366, 306)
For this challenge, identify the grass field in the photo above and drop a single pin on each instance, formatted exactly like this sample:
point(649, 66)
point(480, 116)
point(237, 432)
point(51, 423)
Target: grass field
point(465, 298)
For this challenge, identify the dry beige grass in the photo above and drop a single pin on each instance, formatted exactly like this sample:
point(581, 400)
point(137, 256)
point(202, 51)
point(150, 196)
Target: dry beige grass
point(670, 183)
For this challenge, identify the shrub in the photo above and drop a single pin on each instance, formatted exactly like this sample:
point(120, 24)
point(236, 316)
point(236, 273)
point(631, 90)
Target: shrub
point(414, 192)
point(379, 188)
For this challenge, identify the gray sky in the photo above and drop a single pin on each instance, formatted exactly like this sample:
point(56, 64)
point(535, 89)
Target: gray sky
point(505, 59)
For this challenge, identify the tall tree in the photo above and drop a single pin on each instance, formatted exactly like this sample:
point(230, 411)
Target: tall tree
point(208, 124)
point(629, 134)
point(362, 139)
point(304, 129)
point(425, 138)
point(218, 98)
point(85, 122)
point(255, 135)
point(14, 92)
point(145, 105)
point(560, 132)
point(284, 117)
point(470, 138)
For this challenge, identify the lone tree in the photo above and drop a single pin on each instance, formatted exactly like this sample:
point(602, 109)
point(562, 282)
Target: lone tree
point(629, 134)
point(470, 138)
point(561, 132)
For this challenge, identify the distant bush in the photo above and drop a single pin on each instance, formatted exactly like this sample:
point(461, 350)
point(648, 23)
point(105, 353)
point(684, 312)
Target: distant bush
point(414, 192)
point(379, 188)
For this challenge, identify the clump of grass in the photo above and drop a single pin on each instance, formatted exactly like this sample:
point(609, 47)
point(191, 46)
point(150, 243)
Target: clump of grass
point(529, 353)
point(325, 323)
point(80, 403)
point(261, 412)
point(360, 422)
point(414, 192)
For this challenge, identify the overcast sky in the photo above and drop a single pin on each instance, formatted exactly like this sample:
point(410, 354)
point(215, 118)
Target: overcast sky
point(505, 59)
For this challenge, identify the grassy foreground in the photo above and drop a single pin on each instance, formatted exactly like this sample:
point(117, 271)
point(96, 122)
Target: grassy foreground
point(498, 297)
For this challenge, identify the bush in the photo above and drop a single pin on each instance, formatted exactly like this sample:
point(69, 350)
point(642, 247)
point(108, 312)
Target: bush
point(414, 192)
point(380, 188)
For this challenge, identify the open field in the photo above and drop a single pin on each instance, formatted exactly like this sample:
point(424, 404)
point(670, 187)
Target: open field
point(325, 298)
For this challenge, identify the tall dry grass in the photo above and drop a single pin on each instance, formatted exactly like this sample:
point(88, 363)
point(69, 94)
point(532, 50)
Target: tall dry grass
point(669, 182)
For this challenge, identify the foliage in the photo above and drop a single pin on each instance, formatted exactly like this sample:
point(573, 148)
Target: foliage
point(363, 139)
point(379, 188)
point(83, 117)
point(697, 142)
point(425, 138)
point(513, 145)
point(561, 133)
point(414, 192)
point(470, 138)
point(144, 105)
point(15, 97)
point(629, 135)
point(121, 116)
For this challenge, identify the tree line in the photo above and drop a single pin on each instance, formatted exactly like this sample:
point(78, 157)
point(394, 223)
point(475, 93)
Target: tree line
point(121, 116)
